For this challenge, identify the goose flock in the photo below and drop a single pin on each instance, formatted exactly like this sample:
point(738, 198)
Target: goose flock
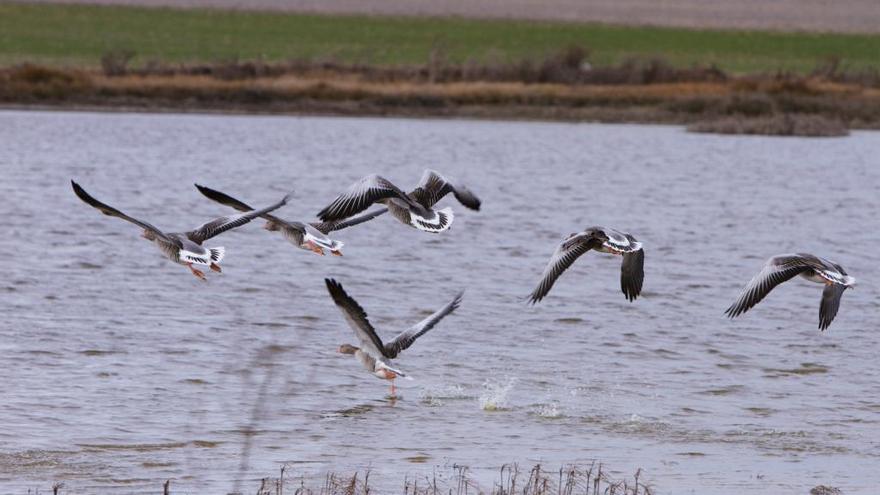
point(417, 209)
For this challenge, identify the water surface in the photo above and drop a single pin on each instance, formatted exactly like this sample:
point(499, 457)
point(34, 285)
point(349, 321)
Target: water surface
point(120, 370)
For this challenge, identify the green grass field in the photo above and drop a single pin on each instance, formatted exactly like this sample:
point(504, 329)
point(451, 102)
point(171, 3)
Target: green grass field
point(79, 35)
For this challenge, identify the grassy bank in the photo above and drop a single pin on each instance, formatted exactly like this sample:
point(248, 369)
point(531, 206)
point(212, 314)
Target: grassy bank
point(79, 35)
point(93, 57)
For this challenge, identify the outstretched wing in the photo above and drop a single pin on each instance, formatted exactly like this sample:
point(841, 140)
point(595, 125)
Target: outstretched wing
point(567, 252)
point(225, 199)
point(434, 186)
point(360, 196)
point(407, 337)
point(776, 270)
point(218, 226)
point(113, 212)
point(830, 304)
point(327, 227)
point(632, 272)
point(357, 319)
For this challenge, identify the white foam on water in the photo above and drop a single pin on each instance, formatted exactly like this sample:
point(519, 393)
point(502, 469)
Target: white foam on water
point(435, 395)
point(495, 395)
point(549, 411)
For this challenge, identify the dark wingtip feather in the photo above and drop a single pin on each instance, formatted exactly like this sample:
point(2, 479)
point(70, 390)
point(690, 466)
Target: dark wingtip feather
point(83, 195)
point(207, 191)
point(457, 301)
point(324, 214)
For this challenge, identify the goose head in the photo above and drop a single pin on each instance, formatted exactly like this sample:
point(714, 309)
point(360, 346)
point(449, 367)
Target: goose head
point(347, 349)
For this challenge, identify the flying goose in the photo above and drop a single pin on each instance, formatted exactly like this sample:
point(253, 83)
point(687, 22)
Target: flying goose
point(373, 354)
point(185, 247)
point(604, 240)
point(784, 267)
point(414, 209)
point(308, 236)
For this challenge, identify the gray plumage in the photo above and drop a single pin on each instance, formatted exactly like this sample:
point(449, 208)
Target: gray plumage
point(297, 233)
point(184, 247)
point(784, 267)
point(414, 209)
point(601, 239)
point(368, 338)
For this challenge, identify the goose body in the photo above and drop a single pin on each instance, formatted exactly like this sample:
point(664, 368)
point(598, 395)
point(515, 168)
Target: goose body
point(604, 240)
point(784, 267)
point(415, 209)
point(374, 355)
point(309, 236)
point(184, 248)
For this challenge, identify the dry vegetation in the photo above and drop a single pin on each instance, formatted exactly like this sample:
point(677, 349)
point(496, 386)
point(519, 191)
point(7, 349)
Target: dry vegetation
point(561, 86)
point(569, 480)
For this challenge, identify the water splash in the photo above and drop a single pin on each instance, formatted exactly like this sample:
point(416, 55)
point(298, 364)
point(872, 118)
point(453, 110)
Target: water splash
point(495, 395)
point(434, 396)
point(548, 411)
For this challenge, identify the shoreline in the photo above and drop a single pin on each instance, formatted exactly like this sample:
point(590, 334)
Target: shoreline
point(768, 104)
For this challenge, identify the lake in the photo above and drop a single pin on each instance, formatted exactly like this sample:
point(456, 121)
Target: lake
point(121, 370)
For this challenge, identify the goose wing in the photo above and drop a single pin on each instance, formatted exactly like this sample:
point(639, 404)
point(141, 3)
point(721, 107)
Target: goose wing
point(632, 272)
point(327, 227)
point(360, 196)
point(219, 225)
point(113, 212)
point(357, 319)
point(567, 252)
point(776, 270)
point(830, 304)
point(225, 199)
point(434, 186)
point(407, 337)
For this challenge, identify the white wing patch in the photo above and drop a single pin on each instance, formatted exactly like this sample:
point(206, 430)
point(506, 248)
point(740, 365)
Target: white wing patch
point(326, 242)
point(380, 366)
point(622, 246)
point(442, 221)
point(217, 254)
point(836, 277)
point(199, 259)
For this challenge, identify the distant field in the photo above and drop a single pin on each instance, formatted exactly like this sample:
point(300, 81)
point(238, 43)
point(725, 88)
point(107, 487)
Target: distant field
point(79, 35)
point(848, 16)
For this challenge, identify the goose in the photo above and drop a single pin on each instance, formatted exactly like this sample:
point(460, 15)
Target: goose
point(308, 236)
point(783, 267)
point(184, 248)
point(605, 240)
point(374, 355)
point(414, 209)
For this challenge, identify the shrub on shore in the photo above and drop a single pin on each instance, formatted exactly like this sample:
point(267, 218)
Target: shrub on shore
point(561, 86)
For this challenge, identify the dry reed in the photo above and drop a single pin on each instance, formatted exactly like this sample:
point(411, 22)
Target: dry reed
point(567, 480)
